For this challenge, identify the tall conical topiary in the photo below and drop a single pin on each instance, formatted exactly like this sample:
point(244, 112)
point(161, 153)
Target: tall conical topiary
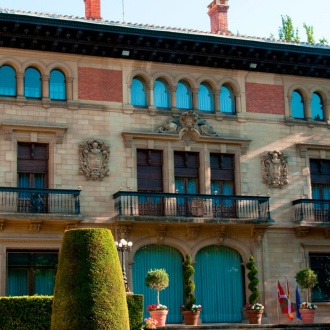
point(89, 287)
point(188, 283)
point(253, 285)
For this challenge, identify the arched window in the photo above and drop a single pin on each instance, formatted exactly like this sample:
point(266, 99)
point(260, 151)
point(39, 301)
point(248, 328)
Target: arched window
point(183, 95)
point(317, 107)
point(227, 100)
point(162, 94)
point(139, 92)
point(297, 105)
point(7, 81)
point(32, 83)
point(205, 97)
point(57, 87)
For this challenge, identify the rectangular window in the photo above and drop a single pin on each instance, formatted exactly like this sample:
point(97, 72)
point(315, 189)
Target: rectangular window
point(223, 183)
point(150, 180)
point(31, 272)
point(32, 172)
point(320, 263)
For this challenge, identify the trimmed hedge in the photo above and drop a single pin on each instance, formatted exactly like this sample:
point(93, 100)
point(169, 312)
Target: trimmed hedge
point(89, 288)
point(34, 312)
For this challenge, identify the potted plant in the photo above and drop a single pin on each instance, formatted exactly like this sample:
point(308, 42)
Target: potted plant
point(158, 280)
point(150, 323)
point(190, 310)
point(253, 309)
point(307, 279)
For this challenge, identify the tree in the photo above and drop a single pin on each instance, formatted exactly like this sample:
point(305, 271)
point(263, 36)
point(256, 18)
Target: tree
point(253, 285)
point(287, 31)
point(89, 288)
point(157, 280)
point(310, 33)
point(189, 285)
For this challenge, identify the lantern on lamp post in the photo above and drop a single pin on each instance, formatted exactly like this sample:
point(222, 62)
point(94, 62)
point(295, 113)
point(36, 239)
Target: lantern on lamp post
point(124, 246)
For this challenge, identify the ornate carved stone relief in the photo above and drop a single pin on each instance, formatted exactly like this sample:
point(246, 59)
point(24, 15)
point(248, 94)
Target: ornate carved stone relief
point(94, 159)
point(258, 235)
point(123, 232)
point(192, 232)
point(274, 169)
point(188, 126)
point(221, 234)
point(161, 233)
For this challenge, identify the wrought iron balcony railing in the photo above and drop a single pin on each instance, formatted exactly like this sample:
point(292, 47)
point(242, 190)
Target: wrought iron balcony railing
point(311, 210)
point(142, 205)
point(33, 200)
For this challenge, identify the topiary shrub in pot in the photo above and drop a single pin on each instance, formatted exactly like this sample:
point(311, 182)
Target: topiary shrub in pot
point(307, 279)
point(190, 310)
point(158, 280)
point(89, 288)
point(253, 309)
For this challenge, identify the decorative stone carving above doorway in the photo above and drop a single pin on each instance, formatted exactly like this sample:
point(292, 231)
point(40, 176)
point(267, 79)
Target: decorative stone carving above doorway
point(274, 169)
point(94, 159)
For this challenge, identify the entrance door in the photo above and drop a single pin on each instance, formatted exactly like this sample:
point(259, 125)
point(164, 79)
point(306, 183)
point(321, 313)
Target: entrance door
point(154, 257)
point(219, 284)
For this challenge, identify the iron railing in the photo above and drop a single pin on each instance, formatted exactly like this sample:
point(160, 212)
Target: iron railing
point(311, 210)
point(33, 200)
point(142, 204)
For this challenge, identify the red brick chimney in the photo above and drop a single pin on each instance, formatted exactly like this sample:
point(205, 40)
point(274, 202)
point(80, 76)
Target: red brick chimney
point(218, 10)
point(93, 9)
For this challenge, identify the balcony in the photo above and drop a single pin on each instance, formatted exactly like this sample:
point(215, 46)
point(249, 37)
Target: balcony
point(45, 201)
point(311, 210)
point(141, 206)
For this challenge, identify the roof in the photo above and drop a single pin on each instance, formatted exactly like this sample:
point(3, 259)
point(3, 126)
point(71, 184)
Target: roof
point(76, 35)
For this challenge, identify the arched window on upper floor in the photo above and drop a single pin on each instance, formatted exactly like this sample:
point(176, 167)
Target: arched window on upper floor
point(205, 97)
point(162, 95)
point(57, 86)
point(139, 92)
point(297, 105)
point(32, 83)
point(183, 95)
point(227, 100)
point(317, 107)
point(7, 81)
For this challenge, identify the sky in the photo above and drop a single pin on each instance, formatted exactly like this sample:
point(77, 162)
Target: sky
point(255, 18)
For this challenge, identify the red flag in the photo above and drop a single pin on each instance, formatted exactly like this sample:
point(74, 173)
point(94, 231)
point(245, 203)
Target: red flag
point(290, 315)
point(285, 303)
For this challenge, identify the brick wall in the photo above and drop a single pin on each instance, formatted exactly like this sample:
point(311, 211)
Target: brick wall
point(264, 98)
point(92, 9)
point(100, 85)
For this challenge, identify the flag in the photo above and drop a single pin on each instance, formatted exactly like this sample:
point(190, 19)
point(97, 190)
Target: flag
point(290, 315)
point(286, 305)
point(298, 302)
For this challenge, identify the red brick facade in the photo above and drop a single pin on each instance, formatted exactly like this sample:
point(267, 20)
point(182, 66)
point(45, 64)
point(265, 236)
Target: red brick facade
point(92, 9)
point(263, 98)
point(100, 85)
point(218, 16)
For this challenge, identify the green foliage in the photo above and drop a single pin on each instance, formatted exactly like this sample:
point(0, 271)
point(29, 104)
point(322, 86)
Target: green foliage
point(28, 313)
point(323, 41)
point(135, 308)
point(158, 280)
point(188, 283)
point(306, 278)
point(253, 285)
point(310, 33)
point(89, 288)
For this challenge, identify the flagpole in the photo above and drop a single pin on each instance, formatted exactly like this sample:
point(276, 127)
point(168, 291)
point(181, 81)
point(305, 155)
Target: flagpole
point(277, 302)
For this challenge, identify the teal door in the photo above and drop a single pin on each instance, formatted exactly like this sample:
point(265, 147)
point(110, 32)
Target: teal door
point(219, 284)
point(154, 257)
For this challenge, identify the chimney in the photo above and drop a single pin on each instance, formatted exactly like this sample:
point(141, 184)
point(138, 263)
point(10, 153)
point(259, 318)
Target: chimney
point(218, 14)
point(93, 9)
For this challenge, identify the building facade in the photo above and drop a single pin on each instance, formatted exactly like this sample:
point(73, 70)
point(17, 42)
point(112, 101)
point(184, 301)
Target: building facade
point(183, 142)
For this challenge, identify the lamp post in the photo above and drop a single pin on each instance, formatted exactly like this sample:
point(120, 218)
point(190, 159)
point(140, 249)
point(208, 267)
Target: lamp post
point(124, 246)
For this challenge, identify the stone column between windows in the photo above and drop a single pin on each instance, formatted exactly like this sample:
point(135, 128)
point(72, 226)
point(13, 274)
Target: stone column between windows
point(151, 95)
point(20, 84)
point(217, 100)
point(237, 102)
point(195, 98)
point(308, 113)
point(173, 96)
point(45, 86)
point(326, 110)
point(69, 89)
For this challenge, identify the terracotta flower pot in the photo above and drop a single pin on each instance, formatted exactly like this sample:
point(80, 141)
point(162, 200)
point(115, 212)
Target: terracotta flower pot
point(254, 315)
point(307, 315)
point(160, 316)
point(190, 318)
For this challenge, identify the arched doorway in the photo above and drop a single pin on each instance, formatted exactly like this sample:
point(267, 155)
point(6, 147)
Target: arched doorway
point(219, 284)
point(154, 257)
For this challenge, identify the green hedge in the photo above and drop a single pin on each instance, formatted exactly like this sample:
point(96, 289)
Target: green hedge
point(34, 312)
